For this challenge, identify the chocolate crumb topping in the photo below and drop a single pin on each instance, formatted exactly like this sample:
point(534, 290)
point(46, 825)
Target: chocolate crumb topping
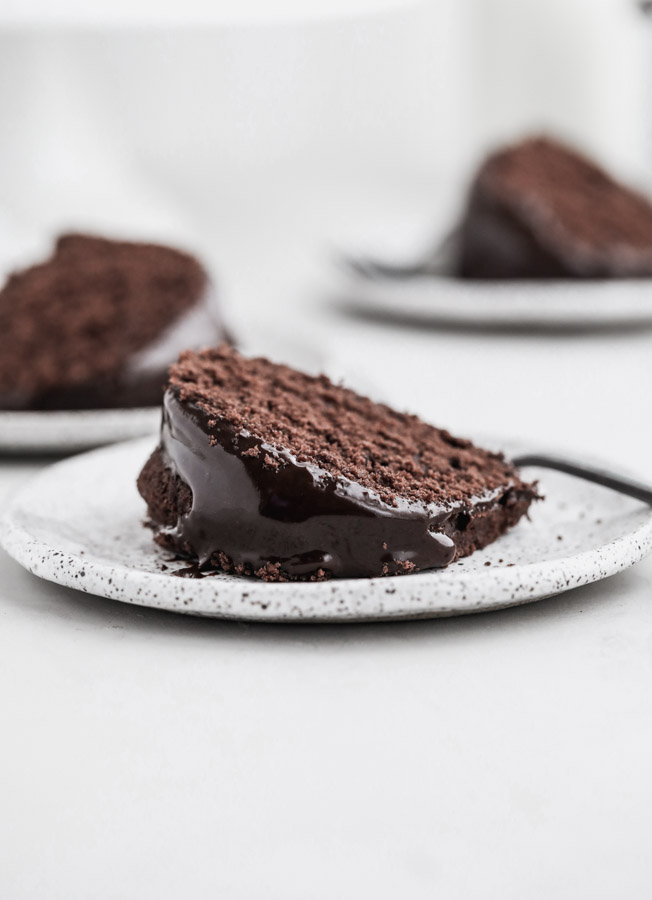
point(335, 429)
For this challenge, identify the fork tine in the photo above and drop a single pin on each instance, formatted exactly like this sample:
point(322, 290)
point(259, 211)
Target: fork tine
point(440, 261)
point(358, 266)
point(375, 270)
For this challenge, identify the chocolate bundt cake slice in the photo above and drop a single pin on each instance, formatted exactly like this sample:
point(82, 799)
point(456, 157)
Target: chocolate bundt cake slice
point(98, 324)
point(539, 209)
point(263, 470)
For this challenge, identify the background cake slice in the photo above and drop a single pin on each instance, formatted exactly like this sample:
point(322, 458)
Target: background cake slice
point(266, 471)
point(98, 324)
point(539, 209)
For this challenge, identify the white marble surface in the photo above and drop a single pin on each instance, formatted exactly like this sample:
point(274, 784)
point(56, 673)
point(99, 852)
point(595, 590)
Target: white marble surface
point(505, 755)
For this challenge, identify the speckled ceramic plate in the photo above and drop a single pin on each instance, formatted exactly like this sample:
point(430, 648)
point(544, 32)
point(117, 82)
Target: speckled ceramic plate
point(508, 304)
point(79, 523)
point(70, 431)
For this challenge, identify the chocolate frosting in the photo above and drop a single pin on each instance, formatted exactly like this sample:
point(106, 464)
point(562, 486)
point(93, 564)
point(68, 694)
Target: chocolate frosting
point(495, 244)
point(257, 504)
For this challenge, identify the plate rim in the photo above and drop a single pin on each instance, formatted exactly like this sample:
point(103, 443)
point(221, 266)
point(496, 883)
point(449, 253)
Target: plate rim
point(553, 576)
point(552, 303)
point(29, 430)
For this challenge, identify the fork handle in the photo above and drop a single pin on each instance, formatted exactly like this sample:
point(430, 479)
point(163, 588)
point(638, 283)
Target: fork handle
point(616, 482)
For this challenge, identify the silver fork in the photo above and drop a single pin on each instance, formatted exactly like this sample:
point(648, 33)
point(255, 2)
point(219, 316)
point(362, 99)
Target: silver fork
point(440, 262)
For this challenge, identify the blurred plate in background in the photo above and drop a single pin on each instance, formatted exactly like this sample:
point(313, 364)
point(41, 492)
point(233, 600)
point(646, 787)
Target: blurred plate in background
point(506, 304)
point(71, 430)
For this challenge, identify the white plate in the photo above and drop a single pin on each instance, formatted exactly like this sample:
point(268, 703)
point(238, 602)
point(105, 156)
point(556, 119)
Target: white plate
point(69, 431)
point(506, 304)
point(79, 523)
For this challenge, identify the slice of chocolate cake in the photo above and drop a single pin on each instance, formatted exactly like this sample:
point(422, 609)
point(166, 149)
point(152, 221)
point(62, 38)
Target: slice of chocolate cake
point(98, 324)
point(541, 210)
point(262, 470)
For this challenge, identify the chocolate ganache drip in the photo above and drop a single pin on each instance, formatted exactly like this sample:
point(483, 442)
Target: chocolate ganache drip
point(255, 504)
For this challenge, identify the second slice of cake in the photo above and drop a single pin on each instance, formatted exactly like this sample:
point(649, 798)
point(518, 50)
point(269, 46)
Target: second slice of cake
point(97, 325)
point(540, 209)
point(263, 470)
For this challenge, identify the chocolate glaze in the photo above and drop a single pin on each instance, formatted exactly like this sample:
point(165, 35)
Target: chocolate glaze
point(266, 507)
point(116, 392)
point(493, 244)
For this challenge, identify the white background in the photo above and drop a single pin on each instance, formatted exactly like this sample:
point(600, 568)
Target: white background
point(506, 755)
point(181, 128)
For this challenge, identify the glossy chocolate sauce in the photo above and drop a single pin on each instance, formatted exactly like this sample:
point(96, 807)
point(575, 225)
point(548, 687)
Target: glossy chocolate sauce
point(259, 505)
point(494, 245)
